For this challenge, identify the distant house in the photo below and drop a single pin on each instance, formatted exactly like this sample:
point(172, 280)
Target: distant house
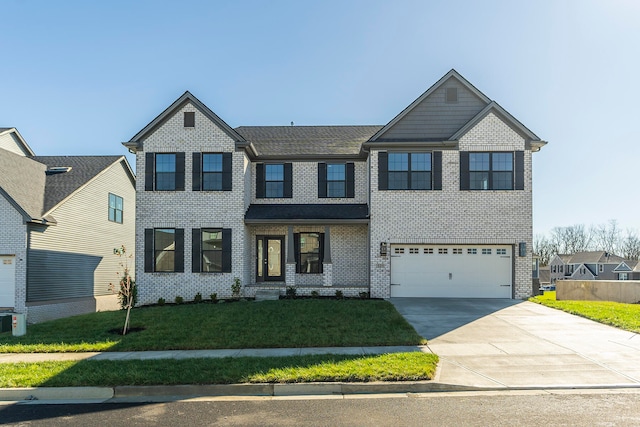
point(592, 265)
point(61, 217)
point(628, 270)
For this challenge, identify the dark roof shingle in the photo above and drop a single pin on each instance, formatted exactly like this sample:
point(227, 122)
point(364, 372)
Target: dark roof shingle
point(333, 211)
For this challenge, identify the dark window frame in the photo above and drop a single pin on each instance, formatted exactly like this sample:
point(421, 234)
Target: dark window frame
point(113, 210)
point(151, 251)
point(261, 181)
point(299, 254)
point(517, 178)
point(409, 176)
point(151, 172)
point(217, 174)
point(384, 172)
point(491, 173)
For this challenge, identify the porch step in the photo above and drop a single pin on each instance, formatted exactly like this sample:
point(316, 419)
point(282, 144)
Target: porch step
point(267, 295)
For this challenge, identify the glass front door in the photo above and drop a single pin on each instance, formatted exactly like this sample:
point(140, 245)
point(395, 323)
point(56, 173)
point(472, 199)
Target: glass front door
point(270, 258)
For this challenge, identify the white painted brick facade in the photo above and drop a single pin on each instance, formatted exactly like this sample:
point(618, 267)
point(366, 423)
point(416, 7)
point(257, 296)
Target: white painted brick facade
point(14, 242)
point(452, 215)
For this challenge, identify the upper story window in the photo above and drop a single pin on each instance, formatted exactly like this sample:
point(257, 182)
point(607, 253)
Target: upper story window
point(274, 180)
point(336, 180)
point(410, 171)
point(164, 171)
point(212, 171)
point(492, 170)
point(164, 250)
point(116, 205)
point(189, 119)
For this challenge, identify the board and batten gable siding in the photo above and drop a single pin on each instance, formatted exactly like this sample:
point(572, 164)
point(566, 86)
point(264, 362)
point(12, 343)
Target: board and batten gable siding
point(188, 209)
point(305, 184)
point(10, 142)
point(452, 216)
point(75, 258)
point(436, 118)
point(14, 242)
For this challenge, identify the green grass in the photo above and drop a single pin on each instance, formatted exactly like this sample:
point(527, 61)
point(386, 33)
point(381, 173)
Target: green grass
point(244, 324)
point(620, 315)
point(317, 368)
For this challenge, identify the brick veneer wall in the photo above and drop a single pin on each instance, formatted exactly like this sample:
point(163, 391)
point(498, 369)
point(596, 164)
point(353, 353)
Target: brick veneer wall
point(190, 209)
point(14, 242)
point(454, 216)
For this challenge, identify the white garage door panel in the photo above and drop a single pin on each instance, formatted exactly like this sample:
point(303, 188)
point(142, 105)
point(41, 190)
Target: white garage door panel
point(465, 275)
point(7, 280)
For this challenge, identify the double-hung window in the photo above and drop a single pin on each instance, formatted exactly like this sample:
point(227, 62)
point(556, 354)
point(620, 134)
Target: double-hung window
point(309, 252)
point(211, 250)
point(336, 180)
point(211, 171)
point(165, 172)
point(410, 171)
point(491, 171)
point(115, 208)
point(274, 180)
point(164, 250)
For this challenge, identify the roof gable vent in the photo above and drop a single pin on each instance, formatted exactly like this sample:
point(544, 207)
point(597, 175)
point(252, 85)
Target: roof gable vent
point(58, 170)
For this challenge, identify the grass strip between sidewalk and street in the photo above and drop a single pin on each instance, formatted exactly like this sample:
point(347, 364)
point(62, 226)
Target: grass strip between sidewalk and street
point(620, 315)
point(242, 324)
point(413, 366)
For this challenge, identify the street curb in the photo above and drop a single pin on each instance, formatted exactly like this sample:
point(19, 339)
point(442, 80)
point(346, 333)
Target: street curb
point(177, 392)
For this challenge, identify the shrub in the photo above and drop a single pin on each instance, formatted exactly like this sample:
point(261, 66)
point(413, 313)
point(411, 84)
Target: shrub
point(236, 288)
point(179, 300)
point(291, 292)
point(198, 298)
point(314, 294)
point(161, 301)
point(364, 295)
point(339, 294)
point(214, 297)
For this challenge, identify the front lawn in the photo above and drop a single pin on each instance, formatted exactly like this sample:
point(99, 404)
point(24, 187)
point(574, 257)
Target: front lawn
point(296, 369)
point(243, 324)
point(620, 315)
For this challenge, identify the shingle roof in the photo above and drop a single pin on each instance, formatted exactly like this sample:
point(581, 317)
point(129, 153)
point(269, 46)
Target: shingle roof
point(600, 257)
point(297, 141)
point(307, 212)
point(83, 169)
point(23, 181)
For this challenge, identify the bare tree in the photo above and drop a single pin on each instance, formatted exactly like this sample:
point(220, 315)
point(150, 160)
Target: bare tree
point(543, 249)
point(607, 237)
point(571, 239)
point(630, 247)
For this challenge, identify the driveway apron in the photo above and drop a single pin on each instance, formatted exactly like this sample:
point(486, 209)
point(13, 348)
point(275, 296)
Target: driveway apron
point(509, 343)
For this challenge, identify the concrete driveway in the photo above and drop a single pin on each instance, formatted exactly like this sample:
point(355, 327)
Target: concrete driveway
point(494, 343)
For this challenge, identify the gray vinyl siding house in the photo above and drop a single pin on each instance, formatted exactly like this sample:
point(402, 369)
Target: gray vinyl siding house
point(437, 202)
point(589, 265)
point(65, 216)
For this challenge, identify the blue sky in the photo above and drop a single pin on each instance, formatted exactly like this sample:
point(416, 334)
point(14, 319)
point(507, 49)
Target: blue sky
point(80, 77)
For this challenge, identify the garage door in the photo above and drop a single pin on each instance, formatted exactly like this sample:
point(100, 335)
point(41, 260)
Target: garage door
point(445, 271)
point(7, 281)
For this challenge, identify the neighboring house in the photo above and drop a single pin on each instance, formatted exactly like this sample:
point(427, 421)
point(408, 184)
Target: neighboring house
point(61, 217)
point(627, 270)
point(436, 203)
point(591, 265)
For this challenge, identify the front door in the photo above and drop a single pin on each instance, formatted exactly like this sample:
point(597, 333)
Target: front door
point(270, 258)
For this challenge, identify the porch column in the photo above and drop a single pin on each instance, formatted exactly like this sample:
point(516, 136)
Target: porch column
point(290, 266)
point(327, 265)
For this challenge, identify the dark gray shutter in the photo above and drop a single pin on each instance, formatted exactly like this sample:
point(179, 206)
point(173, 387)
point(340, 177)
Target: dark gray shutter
point(179, 171)
point(464, 170)
point(321, 253)
point(196, 177)
point(519, 170)
point(322, 180)
point(436, 169)
point(383, 170)
point(288, 180)
point(149, 170)
point(296, 250)
point(195, 250)
point(227, 171)
point(226, 250)
point(351, 181)
point(260, 181)
point(148, 250)
point(179, 251)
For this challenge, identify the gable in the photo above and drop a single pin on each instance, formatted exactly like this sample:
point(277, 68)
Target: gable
point(491, 131)
point(11, 140)
point(433, 117)
point(622, 267)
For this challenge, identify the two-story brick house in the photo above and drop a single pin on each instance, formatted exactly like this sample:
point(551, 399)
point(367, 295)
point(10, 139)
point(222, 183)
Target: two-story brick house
point(435, 203)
